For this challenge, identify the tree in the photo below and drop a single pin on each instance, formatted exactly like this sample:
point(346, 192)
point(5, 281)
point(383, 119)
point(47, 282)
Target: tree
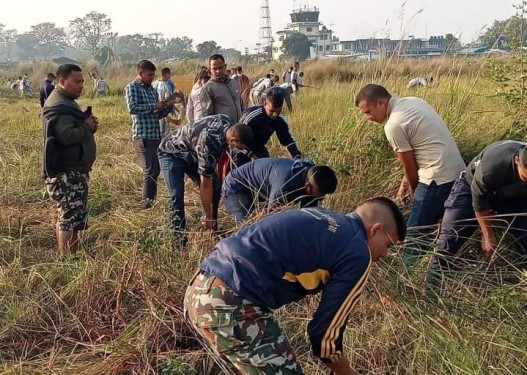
point(297, 46)
point(91, 31)
point(7, 42)
point(231, 54)
point(26, 47)
point(451, 43)
point(207, 49)
point(505, 34)
point(50, 39)
point(178, 48)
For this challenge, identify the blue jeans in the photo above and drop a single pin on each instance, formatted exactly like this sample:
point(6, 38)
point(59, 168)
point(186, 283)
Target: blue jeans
point(459, 223)
point(174, 170)
point(239, 204)
point(427, 210)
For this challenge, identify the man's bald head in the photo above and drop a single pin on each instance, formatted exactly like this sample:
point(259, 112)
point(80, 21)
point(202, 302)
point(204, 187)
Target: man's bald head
point(384, 222)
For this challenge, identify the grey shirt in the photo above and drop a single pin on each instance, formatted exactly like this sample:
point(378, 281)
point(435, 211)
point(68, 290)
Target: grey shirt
point(222, 97)
point(493, 174)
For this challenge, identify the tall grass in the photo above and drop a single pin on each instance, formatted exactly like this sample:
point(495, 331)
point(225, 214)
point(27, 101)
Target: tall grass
point(117, 307)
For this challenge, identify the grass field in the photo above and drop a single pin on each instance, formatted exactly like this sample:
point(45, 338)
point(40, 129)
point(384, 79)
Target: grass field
point(116, 308)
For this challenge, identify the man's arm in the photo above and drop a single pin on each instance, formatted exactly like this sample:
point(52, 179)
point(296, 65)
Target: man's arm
point(67, 132)
point(134, 104)
point(339, 296)
point(285, 136)
point(206, 192)
point(490, 243)
point(207, 103)
point(411, 177)
point(190, 109)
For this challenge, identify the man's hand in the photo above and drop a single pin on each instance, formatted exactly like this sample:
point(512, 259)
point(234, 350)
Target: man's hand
point(210, 224)
point(489, 245)
point(342, 367)
point(403, 189)
point(92, 123)
point(161, 104)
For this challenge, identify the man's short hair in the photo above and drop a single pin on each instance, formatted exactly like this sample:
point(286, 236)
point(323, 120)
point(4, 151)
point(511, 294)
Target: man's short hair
point(50, 76)
point(165, 71)
point(146, 66)
point(64, 71)
point(238, 69)
point(217, 56)
point(203, 75)
point(522, 156)
point(371, 93)
point(275, 97)
point(244, 134)
point(324, 178)
point(291, 68)
point(397, 215)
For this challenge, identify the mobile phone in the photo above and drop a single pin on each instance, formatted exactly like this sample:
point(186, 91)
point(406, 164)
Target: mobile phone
point(88, 112)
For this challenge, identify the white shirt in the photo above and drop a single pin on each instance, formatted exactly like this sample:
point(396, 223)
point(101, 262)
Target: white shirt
point(101, 85)
point(194, 107)
point(287, 76)
point(413, 125)
point(415, 82)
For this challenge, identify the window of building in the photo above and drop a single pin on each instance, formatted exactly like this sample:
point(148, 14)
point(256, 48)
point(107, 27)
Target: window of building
point(328, 48)
point(320, 48)
point(309, 29)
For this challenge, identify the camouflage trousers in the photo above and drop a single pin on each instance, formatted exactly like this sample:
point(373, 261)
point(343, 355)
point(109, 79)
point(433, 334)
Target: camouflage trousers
point(70, 191)
point(246, 336)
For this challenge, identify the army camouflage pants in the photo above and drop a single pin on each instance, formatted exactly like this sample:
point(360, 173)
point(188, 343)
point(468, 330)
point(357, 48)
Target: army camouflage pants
point(245, 335)
point(70, 191)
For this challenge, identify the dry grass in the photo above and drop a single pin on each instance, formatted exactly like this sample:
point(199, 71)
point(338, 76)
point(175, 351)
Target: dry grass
point(116, 308)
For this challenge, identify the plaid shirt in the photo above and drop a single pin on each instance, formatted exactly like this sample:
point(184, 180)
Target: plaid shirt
point(199, 144)
point(141, 101)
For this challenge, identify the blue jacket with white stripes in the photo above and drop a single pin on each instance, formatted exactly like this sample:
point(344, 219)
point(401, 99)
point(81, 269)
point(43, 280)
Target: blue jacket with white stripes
point(263, 128)
point(289, 255)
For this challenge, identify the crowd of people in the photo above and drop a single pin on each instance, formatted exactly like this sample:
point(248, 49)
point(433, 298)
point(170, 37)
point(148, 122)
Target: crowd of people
point(286, 255)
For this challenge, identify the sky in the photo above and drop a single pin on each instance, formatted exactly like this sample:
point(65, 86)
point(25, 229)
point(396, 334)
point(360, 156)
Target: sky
point(235, 23)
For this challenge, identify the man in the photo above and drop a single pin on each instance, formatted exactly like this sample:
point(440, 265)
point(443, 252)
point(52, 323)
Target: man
point(494, 183)
point(24, 86)
point(194, 107)
point(163, 92)
point(46, 88)
point(276, 181)
point(285, 90)
point(245, 85)
point(427, 152)
point(195, 150)
point(259, 87)
point(265, 120)
point(277, 261)
point(146, 110)
point(419, 82)
point(286, 76)
point(100, 87)
point(295, 77)
point(69, 154)
point(221, 95)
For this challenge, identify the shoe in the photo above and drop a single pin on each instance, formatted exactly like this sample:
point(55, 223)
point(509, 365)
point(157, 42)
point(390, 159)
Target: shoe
point(147, 204)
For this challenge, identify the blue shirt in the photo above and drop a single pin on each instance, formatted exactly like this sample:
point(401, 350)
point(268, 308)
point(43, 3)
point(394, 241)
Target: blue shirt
point(277, 181)
point(141, 102)
point(289, 255)
point(45, 91)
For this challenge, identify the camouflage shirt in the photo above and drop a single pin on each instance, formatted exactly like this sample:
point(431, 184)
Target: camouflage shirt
point(200, 144)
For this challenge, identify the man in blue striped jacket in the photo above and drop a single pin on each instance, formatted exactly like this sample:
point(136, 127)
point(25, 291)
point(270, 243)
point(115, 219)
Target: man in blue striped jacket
point(265, 120)
point(280, 260)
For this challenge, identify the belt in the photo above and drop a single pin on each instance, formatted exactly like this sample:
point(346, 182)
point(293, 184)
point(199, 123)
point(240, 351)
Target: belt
point(215, 282)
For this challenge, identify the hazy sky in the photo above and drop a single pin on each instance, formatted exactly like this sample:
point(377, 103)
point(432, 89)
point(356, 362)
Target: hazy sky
point(235, 23)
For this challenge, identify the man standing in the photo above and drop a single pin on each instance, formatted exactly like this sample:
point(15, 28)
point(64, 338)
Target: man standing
point(295, 77)
point(426, 150)
point(69, 153)
point(195, 150)
point(221, 95)
point(146, 110)
point(163, 92)
point(265, 120)
point(494, 183)
point(245, 85)
point(286, 76)
point(273, 263)
point(277, 182)
point(101, 87)
point(46, 88)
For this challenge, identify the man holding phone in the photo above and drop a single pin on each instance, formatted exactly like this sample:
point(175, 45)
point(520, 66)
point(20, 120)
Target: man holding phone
point(146, 110)
point(69, 154)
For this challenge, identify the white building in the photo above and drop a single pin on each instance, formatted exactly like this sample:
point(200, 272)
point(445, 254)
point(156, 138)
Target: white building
point(305, 21)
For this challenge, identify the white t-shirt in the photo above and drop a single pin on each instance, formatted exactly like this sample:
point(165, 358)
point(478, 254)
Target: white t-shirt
point(101, 85)
point(286, 76)
point(413, 125)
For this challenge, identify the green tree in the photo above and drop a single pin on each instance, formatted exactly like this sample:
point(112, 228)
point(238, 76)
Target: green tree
point(91, 31)
point(178, 48)
point(297, 46)
point(506, 34)
point(51, 40)
point(451, 43)
point(207, 49)
point(7, 42)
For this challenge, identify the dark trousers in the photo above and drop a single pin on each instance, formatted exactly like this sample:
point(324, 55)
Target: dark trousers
point(240, 158)
point(459, 223)
point(239, 204)
point(427, 210)
point(146, 151)
point(174, 170)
